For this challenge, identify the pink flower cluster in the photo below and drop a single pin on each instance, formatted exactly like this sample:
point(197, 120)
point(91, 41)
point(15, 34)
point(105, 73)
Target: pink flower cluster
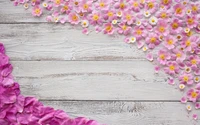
point(173, 25)
point(15, 109)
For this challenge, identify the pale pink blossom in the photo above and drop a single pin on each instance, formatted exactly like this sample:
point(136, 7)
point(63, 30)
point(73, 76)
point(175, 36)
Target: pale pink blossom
point(37, 11)
point(152, 40)
point(179, 10)
point(86, 5)
point(121, 5)
point(139, 32)
point(162, 28)
point(128, 17)
point(66, 8)
point(73, 18)
point(185, 78)
point(108, 29)
point(191, 21)
point(171, 68)
point(95, 18)
point(103, 4)
point(193, 95)
point(163, 56)
point(170, 42)
point(123, 29)
point(176, 26)
point(178, 55)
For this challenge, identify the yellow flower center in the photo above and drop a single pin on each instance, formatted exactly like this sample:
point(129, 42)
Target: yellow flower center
point(162, 29)
point(170, 42)
point(153, 40)
point(196, 79)
point(139, 32)
point(162, 56)
point(65, 7)
point(174, 25)
point(194, 94)
point(74, 17)
point(85, 6)
point(128, 17)
point(190, 21)
point(110, 14)
point(163, 15)
point(194, 61)
point(124, 27)
point(178, 55)
point(194, 8)
point(150, 5)
point(185, 78)
point(57, 1)
point(95, 17)
point(108, 28)
point(135, 4)
point(122, 5)
point(187, 43)
point(172, 67)
point(37, 11)
point(165, 2)
point(33, 1)
point(102, 4)
point(179, 10)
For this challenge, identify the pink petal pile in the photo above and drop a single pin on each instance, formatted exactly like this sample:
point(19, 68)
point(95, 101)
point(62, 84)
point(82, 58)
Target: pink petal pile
point(16, 109)
point(173, 25)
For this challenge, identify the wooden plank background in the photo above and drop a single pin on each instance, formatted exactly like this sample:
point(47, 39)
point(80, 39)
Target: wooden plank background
point(96, 76)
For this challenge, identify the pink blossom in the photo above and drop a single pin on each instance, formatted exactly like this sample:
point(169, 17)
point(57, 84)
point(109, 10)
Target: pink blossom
point(197, 86)
point(139, 32)
point(103, 4)
point(66, 8)
point(175, 26)
point(179, 10)
point(108, 29)
point(164, 15)
point(151, 5)
point(191, 21)
point(124, 29)
point(109, 15)
point(166, 3)
point(189, 43)
point(35, 2)
point(86, 5)
point(178, 55)
point(85, 31)
point(135, 5)
point(195, 7)
point(57, 3)
point(127, 17)
point(183, 100)
point(37, 11)
point(73, 18)
point(157, 69)
point(195, 116)
point(193, 61)
point(163, 56)
point(170, 42)
point(162, 28)
point(172, 68)
point(152, 40)
point(186, 79)
point(193, 95)
point(95, 18)
point(121, 4)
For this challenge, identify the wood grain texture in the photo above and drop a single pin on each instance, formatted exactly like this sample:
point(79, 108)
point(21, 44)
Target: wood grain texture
point(93, 80)
point(128, 113)
point(58, 42)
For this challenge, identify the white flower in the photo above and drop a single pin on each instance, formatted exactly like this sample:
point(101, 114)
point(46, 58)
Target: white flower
point(26, 6)
point(179, 37)
point(132, 40)
point(119, 14)
point(186, 30)
point(187, 69)
point(153, 20)
point(44, 4)
point(144, 48)
point(189, 107)
point(138, 23)
point(147, 14)
point(181, 86)
point(114, 22)
point(196, 79)
point(188, 12)
point(84, 23)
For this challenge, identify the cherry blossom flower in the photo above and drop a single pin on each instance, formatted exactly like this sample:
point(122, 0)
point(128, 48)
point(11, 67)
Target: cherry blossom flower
point(164, 15)
point(139, 32)
point(193, 95)
point(192, 21)
point(124, 29)
point(178, 55)
point(128, 17)
point(152, 40)
point(193, 61)
point(57, 3)
point(151, 5)
point(37, 11)
point(95, 18)
point(135, 5)
point(66, 8)
point(195, 7)
point(162, 28)
point(120, 4)
point(166, 3)
point(73, 18)
point(170, 42)
point(186, 79)
point(110, 15)
point(179, 10)
point(175, 26)
point(163, 56)
point(172, 68)
point(103, 4)
point(86, 5)
point(109, 29)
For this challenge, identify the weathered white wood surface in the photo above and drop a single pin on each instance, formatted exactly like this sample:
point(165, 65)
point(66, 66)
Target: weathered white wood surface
point(93, 80)
point(109, 80)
